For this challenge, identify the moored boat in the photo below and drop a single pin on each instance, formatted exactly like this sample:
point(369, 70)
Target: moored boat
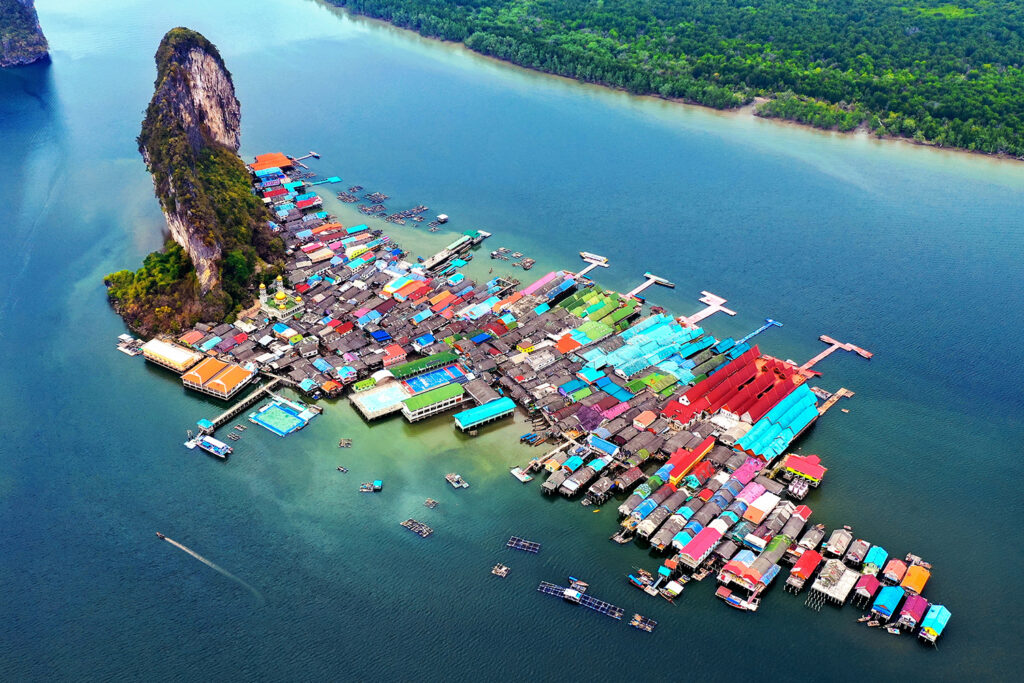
point(456, 481)
point(214, 446)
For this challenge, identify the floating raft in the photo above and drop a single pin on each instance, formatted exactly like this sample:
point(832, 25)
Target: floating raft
point(418, 528)
point(643, 623)
point(523, 544)
point(500, 570)
point(430, 503)
point(588, 601)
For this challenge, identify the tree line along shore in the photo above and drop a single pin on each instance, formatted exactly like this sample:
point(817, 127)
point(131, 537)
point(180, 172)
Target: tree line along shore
point(939, 73)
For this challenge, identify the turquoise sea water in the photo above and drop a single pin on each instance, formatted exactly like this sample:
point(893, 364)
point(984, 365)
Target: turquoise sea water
point(912, 253)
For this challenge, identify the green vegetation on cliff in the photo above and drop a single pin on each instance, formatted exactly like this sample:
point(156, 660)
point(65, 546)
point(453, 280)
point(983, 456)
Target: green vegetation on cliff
point(944, 73)
point(21, 39)
point(203, 187)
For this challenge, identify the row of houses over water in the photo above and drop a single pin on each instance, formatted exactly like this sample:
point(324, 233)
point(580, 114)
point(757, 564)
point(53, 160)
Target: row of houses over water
point(691, 432)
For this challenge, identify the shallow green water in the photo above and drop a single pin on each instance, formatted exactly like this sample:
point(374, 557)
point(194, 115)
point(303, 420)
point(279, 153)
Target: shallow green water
point(912, 253)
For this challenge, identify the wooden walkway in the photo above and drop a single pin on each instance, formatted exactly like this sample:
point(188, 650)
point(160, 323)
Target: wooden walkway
point(246, 402)
point(842, 392)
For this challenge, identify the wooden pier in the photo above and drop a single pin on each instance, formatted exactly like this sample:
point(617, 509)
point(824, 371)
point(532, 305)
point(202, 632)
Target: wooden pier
point(239, 407)
point(842, 392)
point(833, 347)
point(713, 304)
point(298, 160)
point(593, 261)
point(650, 280)
point(522, 544)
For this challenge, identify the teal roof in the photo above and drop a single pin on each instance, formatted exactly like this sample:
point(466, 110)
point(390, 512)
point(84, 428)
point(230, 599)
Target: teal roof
point(488, 411)
point(935, 620)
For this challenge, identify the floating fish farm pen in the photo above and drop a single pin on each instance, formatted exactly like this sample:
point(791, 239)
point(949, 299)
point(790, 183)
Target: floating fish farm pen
point(517, 543)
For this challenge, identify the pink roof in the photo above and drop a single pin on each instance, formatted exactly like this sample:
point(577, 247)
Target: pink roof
point(750, 493)
point(867, 585)
point(748, 470)
point(701, 544)
point(539, 283)
point(809, 465)
point(615, 411)
point(915, 606)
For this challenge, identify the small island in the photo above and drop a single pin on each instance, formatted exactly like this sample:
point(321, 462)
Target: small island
point(21, 38)
point(221, 243)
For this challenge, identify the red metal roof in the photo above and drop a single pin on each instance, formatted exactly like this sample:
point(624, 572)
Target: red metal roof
point(807, 563)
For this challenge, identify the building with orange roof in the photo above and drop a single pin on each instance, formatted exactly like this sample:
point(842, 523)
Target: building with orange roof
point(217, 378)
point(203, 373)
point(191, 337)
point(271, 160)
point(394, 354)
point(565, 345)
point(227, 383)
point(915, 578)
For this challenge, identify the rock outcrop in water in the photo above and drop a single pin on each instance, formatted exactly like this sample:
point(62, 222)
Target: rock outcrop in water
point(220, 239)
point(21, 38)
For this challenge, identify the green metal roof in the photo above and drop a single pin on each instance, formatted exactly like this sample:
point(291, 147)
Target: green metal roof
point(429, 398)
point(422, 364)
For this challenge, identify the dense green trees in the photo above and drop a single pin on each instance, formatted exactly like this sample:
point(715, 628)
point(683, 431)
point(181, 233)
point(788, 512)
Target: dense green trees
point(949, 74)
point(21, 39)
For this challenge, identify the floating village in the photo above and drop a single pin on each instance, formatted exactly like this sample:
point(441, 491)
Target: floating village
point(690, 435)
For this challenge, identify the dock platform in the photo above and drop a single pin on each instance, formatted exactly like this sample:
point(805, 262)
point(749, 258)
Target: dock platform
point(522, 544)
point(239, 407)
point(418, 528)
point(840, 393)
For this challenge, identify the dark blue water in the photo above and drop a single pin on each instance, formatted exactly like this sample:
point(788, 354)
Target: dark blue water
point(912, 253)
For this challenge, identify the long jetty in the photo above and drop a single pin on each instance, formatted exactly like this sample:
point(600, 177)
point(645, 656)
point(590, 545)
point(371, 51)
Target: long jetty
point(833, 347)
point(239, 407)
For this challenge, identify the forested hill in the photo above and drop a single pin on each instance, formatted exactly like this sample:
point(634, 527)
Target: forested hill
point(938, 72)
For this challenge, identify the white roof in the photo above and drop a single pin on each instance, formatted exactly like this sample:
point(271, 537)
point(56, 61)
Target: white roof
point(177, 355)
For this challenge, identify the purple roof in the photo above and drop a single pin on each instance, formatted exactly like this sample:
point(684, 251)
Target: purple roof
point(590, 418)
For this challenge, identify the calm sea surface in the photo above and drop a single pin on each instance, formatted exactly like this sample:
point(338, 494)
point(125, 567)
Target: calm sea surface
point(915, 254)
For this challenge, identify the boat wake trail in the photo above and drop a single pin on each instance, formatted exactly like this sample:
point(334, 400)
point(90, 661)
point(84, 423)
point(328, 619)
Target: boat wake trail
point(217, 568)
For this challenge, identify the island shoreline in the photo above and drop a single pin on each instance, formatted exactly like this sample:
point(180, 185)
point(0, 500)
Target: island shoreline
point(745, 110)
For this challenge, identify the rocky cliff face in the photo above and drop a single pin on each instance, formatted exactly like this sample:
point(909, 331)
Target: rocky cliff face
point(194, 102)
point(21, 38)
point(221, 241)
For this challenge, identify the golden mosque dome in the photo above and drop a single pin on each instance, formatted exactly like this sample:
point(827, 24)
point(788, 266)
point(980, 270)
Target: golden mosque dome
point(298, 299)
point(280, 296)
point(280, 279)
point(262, 286)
